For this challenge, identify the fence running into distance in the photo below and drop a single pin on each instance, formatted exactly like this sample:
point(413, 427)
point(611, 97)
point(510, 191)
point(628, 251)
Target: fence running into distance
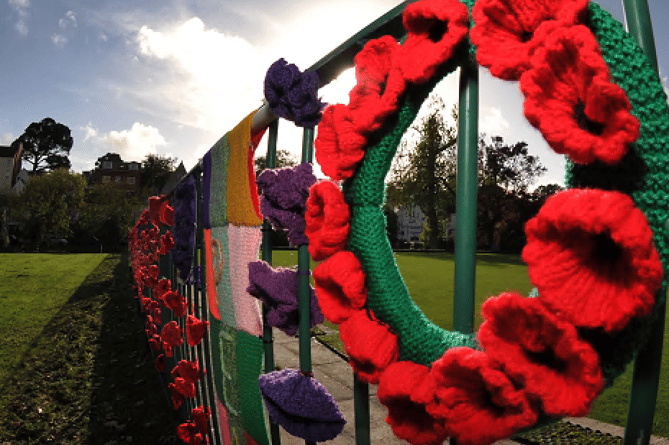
point(647, 363)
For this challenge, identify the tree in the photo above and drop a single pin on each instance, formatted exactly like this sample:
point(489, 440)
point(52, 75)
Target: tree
point(46, 145)
point(424, 174)
point(49, 203)
point(156, 169)
point(283, 159)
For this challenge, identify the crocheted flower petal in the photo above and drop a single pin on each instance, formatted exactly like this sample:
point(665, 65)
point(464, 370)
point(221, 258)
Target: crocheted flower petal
point(590, 253)
point(571, 100)
point(172, 334)
point(379, 85)
point(339, 148)
point(434, 29)
point(166, 214)
point(542, 353)
point(478, 402)
point(406, 388)
point(503, 30)
point(301, 405)
point(340, 286)
point(327, 220)
point(370, 345)
point(195, 330)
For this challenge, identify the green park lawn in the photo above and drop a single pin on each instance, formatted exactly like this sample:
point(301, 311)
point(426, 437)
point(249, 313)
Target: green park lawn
point(429, 277)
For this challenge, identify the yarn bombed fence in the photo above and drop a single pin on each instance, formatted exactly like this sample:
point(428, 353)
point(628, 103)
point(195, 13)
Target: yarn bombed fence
point(597, 253)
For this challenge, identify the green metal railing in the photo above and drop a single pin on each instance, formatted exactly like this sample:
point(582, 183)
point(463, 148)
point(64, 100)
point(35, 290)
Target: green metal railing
point(646, 371)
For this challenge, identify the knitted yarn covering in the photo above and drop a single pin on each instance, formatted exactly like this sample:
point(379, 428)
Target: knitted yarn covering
point(184, 227)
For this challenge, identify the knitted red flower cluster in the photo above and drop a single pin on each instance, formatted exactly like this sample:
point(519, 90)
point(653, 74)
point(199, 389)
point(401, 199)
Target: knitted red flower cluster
point(569, 94)
point(146, 245)
point(383, 69)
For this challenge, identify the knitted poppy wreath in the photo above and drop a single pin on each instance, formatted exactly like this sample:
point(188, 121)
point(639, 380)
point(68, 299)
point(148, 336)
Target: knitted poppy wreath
point(595, 252)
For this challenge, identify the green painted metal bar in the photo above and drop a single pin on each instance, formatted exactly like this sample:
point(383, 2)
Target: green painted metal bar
point(466, 200)
point(645, 381)
point(303, 274)
point(267, 336)
point(361, 409)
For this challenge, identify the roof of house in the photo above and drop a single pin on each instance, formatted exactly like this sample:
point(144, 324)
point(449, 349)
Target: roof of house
point(7, 152)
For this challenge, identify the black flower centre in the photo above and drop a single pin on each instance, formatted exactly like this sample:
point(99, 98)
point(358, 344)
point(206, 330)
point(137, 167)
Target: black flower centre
point(605, 249)
point(526, 36)
point(437, 30)
point(584, 123)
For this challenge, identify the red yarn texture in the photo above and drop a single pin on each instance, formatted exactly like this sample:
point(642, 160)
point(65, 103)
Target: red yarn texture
point(189, 371)
point(172, 334)
point(370, 345)
point(155, 203)
point(166, 214)
point(590, 253)
point(328, 220)
point(161, 288)
point(195, 330)
point(166, 243)
point(176, 302)
point(339, 148)
point(177, 397)
point(572, 101)
point(340, 286)
point(503, 30)
point(434, 29)
point(478, 402)
point(379, 85)
point(541, 353)
point(160, 363)
point(201, 419)
point(406, 389)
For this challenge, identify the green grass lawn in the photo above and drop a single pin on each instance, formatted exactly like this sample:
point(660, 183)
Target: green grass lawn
point(429, 277)
point(33, 288)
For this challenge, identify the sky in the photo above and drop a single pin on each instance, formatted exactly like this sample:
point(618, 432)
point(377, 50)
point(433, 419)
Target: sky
point(171, 77)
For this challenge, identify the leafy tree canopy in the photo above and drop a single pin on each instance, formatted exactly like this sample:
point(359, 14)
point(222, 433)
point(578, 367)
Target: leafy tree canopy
point(283, 159)
point(156, 170)
point(46, 145)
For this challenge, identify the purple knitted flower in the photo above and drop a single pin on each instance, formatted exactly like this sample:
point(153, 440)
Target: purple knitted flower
point(283, 199)
point(277, 289)
point(183, 230)
point(293, 95)
point(301, 405)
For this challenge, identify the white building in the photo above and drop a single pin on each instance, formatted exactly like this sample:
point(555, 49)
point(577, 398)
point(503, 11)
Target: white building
point(10, 164)
point(410, 220)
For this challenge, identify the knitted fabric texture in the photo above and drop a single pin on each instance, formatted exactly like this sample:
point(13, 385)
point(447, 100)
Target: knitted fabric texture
point(283, 197)
point(195, 330)
point(327, 220)
point(590, 253)
point(278, 290)
point(541, 353)
point(301, 405)
point(340, 286)
point(293, 95)
point(184, 227)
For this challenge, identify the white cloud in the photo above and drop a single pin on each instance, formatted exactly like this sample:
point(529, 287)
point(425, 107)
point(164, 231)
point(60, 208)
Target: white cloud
point(21, 7)
point(70, 20)
point(59, 40)
point(492, 122)
point(211, 80)
point(7, 138)
point(133, 144)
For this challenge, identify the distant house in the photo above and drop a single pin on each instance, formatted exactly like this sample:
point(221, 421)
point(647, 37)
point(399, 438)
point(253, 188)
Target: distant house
point(174, 179)
point(410, 220)
point(10, 165)
point(111, 169)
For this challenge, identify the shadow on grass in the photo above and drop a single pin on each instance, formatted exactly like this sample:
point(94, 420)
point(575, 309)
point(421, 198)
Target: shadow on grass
point(89, 376)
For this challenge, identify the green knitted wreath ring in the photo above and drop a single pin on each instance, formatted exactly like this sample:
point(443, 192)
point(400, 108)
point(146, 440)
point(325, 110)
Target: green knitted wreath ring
point(642, 174)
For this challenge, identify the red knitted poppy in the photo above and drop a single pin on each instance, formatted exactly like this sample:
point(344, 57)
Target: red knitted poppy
point(370, 345)
point(503, 30)
point(340, 286)
point(163, 286)
point(172, 334)
point(152, 274)
point(154, 342)
point(155, 203)
point(185, 387)
point(201, 419)
point(541, 353)
point(434, 29)
point(166, 243)
point(189, 371)
point(328, 220)
point(571, 100)
point(177, 397)
point(166, 214)
point(195, 330)
point(176, 302)
point(406, 388)
point(590, 253)
point(188, 433)
point(339, 148)
point(478, 402)
point(380, 85)
point(160, 363)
